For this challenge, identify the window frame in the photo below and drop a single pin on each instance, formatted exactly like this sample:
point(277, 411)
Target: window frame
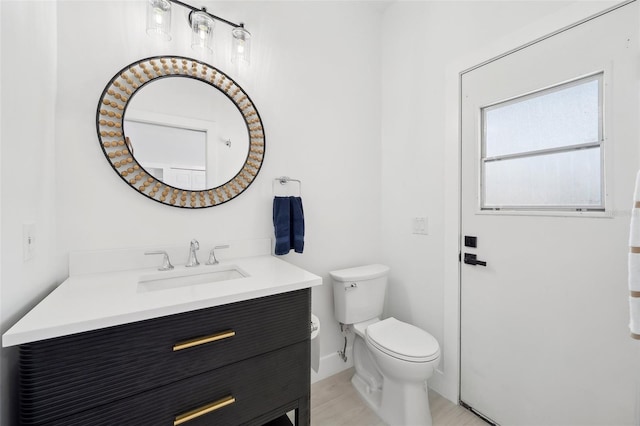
point(564, 210)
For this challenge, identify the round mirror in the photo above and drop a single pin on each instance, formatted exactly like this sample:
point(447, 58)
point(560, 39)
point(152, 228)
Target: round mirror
point(181, 132)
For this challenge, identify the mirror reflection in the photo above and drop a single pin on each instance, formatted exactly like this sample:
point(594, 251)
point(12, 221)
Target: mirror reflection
point(192, 137)
point(186, 133)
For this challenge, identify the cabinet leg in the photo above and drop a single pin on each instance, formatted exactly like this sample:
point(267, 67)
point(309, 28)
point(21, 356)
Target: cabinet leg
point(303, 412)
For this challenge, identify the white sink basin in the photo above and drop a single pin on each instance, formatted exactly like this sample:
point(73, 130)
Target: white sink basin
point(188, 277)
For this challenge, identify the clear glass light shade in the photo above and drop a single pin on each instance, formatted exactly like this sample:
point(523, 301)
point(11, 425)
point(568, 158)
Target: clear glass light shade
point(241, 47)
point(159, 19)
point(201, 31)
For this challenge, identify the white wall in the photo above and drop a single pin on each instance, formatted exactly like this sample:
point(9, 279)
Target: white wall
point(320, 112)
point(420, 166)
point(27, 168)
point(2, 369)
point(2, 364)
point(419, 39)
point(319, 101)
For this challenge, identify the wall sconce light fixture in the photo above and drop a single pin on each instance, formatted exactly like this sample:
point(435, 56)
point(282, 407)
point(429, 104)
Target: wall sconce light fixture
point(241, 49)
point(159, 19)
point(202, 23)
point(201, 31)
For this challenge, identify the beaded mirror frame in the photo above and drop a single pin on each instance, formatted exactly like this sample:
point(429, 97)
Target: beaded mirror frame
point(109, 123)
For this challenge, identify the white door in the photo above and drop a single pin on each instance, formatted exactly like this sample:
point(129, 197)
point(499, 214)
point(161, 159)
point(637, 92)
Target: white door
point(547, 188)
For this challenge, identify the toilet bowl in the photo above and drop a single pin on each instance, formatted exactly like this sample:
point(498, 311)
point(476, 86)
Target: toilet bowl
point(392, 359)
point(406, 357)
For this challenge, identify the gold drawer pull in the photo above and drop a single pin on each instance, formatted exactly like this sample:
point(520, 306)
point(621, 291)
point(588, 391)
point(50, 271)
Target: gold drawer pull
point(202, 340)
point(190, 415)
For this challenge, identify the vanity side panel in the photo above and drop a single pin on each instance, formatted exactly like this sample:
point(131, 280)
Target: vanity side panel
point(63, 376)
point(303, 412)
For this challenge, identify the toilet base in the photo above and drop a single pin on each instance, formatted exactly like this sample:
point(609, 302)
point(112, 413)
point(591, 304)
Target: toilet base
point(372, 397)
point(398, 404)
point(405, 404)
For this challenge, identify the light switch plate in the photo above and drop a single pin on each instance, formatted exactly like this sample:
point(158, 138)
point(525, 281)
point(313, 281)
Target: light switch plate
point(420, 226)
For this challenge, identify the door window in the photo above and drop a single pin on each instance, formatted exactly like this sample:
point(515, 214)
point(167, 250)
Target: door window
point(544, 150)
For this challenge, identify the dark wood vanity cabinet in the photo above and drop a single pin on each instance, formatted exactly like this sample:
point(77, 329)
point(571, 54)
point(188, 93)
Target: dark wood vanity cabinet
point(244, 363)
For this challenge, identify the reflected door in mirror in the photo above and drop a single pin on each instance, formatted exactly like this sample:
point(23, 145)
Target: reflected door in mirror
point(174, 155)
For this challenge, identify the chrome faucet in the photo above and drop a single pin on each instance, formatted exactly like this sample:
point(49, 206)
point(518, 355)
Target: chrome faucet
point(166, 264)
point(193, 259)
point(212, 256)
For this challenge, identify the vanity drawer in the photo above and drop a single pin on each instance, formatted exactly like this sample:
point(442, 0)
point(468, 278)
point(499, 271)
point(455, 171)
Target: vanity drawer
point(66, 375)
point(243, 390)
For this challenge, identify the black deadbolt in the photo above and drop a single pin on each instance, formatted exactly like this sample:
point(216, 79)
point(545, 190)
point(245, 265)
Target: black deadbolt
point(470, 241)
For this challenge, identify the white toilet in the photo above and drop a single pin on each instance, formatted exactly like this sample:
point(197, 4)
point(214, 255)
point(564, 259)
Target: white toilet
point(392, 359)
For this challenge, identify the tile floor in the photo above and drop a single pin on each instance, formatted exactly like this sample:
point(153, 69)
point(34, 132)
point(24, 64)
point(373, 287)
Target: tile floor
point(334, 402)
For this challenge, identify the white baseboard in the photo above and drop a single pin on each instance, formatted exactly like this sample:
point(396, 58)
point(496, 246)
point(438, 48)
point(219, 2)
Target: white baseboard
point(438, 382)
point(331, 364)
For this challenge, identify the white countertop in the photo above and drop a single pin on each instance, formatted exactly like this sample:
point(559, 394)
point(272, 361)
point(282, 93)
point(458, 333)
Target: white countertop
point(94, 301)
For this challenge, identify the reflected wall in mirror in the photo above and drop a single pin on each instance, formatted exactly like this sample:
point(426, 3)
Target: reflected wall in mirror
point(180, 131)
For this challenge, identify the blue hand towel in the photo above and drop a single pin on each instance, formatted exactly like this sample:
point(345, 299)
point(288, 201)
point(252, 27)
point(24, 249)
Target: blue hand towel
point(297, 224)
point(282, 224)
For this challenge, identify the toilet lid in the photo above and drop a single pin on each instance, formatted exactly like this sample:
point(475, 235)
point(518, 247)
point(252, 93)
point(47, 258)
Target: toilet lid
point(402, 340)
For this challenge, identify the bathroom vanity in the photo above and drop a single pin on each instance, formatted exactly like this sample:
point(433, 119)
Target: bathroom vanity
point(229, 352)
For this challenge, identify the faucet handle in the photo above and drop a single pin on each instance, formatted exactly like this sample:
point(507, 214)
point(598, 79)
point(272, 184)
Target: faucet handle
point(193, 258)
point(166, 264)
point(212, 256)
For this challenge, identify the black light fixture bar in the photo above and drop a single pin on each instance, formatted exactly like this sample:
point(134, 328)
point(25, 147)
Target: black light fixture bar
point(217, 18)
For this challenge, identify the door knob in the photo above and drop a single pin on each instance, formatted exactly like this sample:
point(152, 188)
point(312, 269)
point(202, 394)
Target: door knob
point(471, 259)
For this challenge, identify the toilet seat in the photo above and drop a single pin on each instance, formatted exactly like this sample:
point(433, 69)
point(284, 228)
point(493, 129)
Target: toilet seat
point(361, 328)
point(403, 341)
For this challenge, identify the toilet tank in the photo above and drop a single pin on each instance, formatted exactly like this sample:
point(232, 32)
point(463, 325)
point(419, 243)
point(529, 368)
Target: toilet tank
point(358, 293)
